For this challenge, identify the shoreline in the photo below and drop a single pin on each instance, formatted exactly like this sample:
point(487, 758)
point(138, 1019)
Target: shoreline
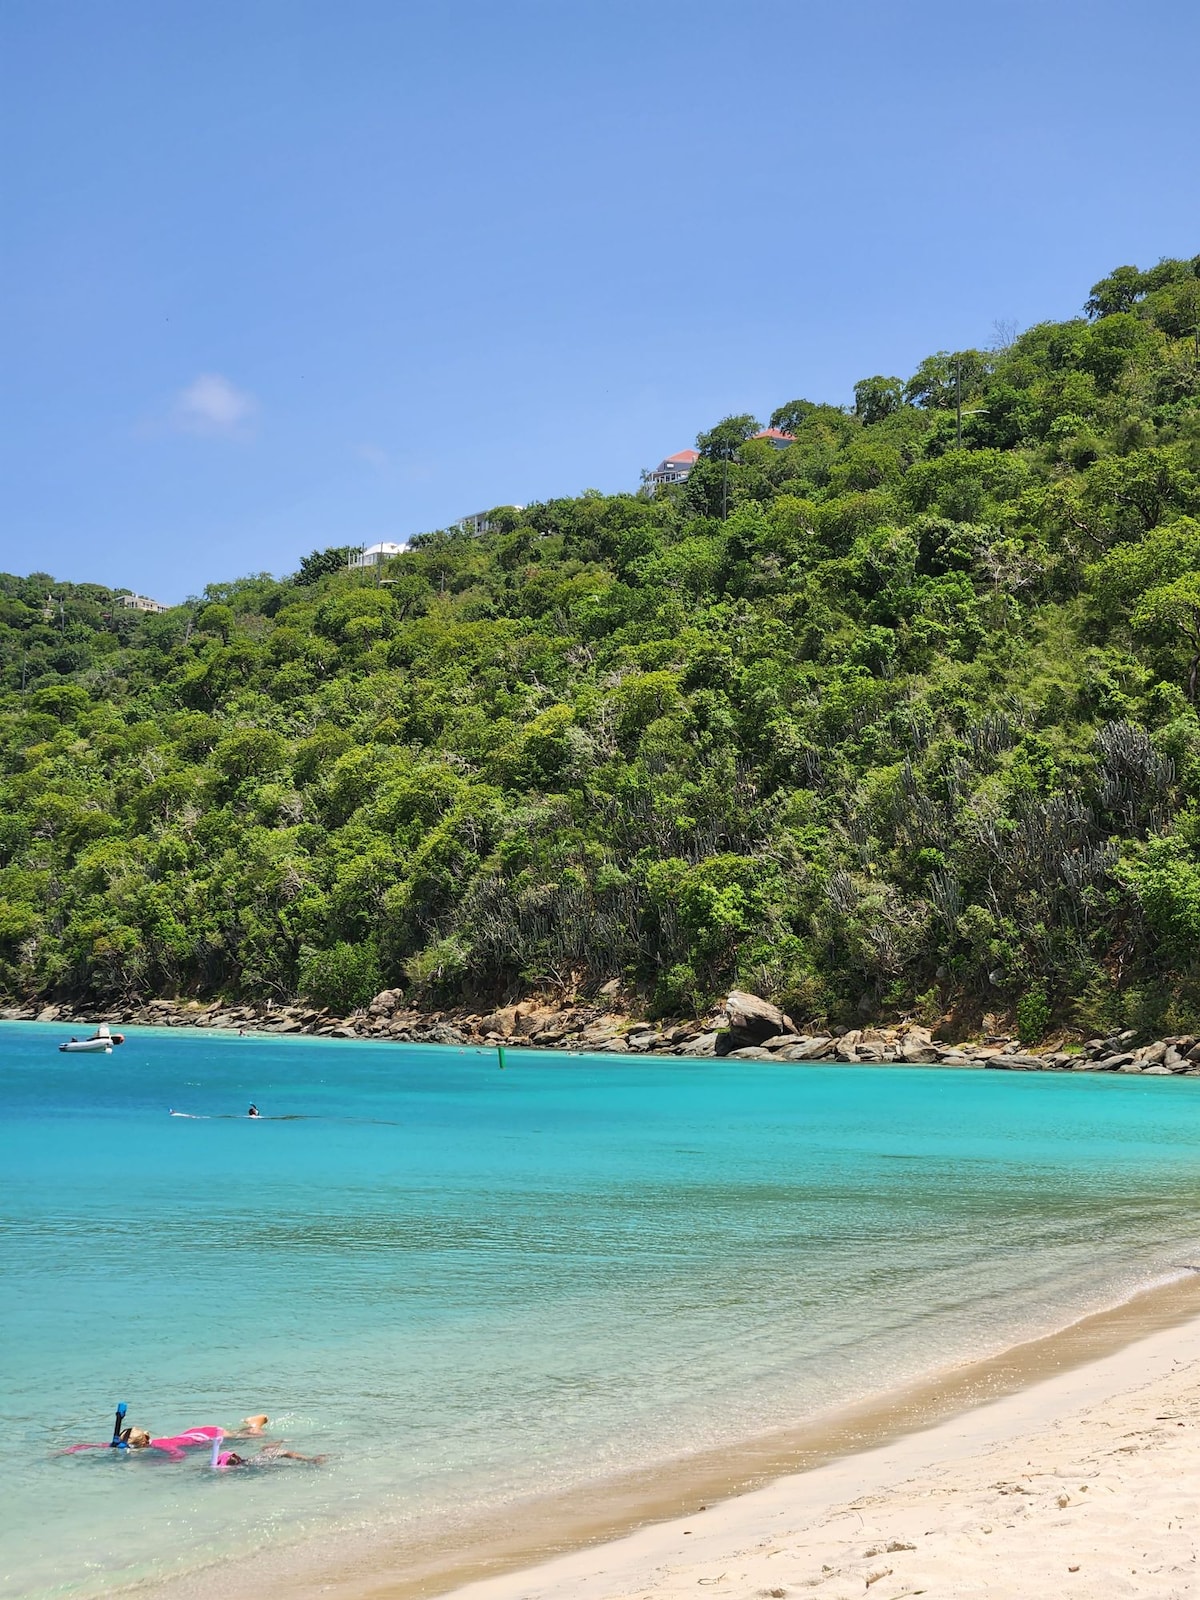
point(593, 1029)
point(1087, 1477)
point(578, 1542)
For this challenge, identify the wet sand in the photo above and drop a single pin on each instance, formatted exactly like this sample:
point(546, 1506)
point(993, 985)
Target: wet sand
point(1087, 1482)
point(721, 1519)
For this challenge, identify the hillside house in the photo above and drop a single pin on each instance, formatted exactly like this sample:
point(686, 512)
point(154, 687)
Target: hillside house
point(374, 555)
point(674, 469)
point(776, 437)
point(139, 602)
point(480, 521)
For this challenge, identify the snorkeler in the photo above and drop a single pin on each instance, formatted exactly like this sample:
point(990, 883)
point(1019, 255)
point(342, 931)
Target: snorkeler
point(247, 1428)
point(269, 1456)
point(173, 1447)
point(132, 1438)
point(175, 1444)
point(253, 1111)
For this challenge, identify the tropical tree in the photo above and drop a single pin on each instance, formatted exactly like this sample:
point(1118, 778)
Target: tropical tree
point(877, 398)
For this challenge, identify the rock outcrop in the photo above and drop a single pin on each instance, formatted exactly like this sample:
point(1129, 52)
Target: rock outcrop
point(746, 1029)
point(751, 1022)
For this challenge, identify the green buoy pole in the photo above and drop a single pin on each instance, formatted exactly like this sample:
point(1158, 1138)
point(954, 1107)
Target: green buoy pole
point(500, 1056)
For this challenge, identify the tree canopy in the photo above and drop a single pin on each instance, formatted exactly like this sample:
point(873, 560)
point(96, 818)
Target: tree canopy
point(890, 721)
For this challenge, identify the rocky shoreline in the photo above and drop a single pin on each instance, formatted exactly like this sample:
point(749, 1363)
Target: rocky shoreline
point(745, 1028)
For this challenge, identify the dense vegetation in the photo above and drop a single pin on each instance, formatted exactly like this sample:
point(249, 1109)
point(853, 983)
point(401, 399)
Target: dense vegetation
point(899, 719)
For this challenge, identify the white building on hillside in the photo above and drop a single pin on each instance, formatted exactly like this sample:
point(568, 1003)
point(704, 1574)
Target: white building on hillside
point(674, 469)
point(139, 602)
point(480, 521)
point(374, 555)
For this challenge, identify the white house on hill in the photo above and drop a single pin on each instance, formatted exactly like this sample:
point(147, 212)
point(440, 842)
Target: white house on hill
point(480, 521)
point(374, 555)
point(139, 602)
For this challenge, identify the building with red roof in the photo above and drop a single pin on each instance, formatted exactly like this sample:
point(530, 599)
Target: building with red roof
point(674, 469)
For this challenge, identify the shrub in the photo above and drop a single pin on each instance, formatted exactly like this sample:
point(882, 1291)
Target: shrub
point(343, 977)
point(1033, 1015)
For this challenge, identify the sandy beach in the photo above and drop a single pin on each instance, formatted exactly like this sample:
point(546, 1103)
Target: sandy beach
point(1070, 1464)
point(1087, 1482)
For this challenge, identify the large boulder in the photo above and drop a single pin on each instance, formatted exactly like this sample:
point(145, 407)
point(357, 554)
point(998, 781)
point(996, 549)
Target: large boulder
point(814, 1047)
point(531, 1019)
point(503, 1021)
point(914, 1052)
point(385, 1002)
point(445, 1033)
point(704, 1044)
point(752, 1021)
point(1113, 1063)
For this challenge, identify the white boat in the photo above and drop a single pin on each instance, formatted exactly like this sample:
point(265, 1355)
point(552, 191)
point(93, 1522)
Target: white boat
point(100, 1043)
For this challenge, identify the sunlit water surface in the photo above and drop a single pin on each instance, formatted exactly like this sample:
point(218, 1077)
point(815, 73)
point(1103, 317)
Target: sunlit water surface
point(465, 1284)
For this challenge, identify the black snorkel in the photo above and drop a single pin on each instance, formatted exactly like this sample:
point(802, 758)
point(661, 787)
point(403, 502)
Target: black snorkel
point(117, 1443)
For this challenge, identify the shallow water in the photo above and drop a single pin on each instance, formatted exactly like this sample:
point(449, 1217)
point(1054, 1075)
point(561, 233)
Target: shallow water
point(468, 1285)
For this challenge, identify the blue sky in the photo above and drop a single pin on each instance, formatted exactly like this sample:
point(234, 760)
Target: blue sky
point(279, 274)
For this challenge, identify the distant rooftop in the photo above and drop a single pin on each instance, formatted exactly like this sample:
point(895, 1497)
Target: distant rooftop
point(674, 469)
point(373, 555)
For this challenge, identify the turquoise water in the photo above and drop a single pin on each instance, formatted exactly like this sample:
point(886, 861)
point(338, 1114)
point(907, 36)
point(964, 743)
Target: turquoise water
point(467, 1285)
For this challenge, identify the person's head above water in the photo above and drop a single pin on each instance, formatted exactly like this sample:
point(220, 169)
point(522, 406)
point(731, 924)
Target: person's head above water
point(136, 1438)
point(253, 1111)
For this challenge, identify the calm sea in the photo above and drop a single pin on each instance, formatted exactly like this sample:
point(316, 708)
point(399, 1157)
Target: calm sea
point(467, 1285)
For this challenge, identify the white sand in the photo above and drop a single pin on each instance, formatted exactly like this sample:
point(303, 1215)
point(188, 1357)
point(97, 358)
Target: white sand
point(1086, 1484)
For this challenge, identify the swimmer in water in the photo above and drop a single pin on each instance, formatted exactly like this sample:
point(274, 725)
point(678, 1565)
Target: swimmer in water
point(269, 1456)
point(247, 1428)
point(253, 1111)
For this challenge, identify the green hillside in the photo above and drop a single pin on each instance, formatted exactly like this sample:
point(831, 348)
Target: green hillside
point(897, 720)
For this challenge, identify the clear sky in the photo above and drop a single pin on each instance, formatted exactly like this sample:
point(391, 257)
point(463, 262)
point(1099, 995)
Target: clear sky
point(278, 274)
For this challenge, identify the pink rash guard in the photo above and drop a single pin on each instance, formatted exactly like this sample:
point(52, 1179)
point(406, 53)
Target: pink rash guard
point(190, 1439)
point(173, 1447)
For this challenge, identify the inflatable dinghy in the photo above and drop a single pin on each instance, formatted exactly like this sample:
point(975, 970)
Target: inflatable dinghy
point(100, 1043)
